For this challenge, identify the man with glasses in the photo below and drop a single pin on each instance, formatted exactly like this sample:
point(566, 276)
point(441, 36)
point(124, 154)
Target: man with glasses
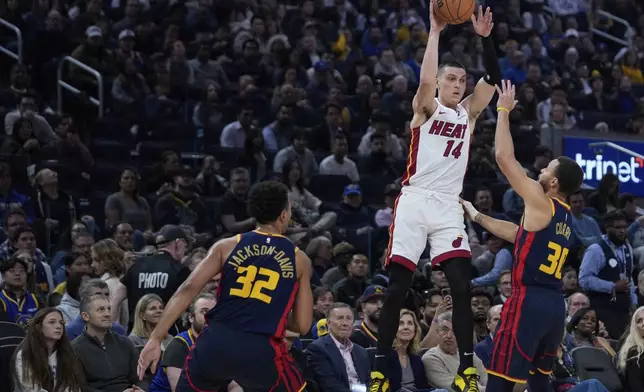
point(160, 274)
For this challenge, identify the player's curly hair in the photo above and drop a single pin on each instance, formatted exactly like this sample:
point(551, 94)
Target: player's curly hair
point(267, 200)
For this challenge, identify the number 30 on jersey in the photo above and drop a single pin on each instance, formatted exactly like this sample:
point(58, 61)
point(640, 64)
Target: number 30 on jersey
point(556, 260)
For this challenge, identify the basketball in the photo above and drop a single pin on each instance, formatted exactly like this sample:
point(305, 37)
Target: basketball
point(454, 11)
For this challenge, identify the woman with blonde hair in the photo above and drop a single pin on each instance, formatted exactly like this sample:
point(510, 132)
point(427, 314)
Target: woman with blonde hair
point(406, 369)
point(108, 262)
point(147, 314)
point(630, 360)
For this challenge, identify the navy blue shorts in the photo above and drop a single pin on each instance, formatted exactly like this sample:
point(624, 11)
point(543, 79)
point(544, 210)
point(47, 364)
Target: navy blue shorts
point(256, 362)
point(529, 333)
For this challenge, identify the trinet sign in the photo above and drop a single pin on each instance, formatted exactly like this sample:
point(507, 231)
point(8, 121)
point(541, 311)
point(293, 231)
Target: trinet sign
point(597, 162)
point(595, 168)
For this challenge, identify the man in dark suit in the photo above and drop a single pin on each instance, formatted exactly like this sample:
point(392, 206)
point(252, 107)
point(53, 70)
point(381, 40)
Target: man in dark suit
point(336, 362)
point(485, 347)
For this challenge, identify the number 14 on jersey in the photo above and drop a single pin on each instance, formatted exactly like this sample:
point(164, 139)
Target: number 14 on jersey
point(453, 151)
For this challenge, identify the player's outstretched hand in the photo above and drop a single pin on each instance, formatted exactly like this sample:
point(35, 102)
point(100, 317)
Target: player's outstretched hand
point(470, 211)
point(150, 355)
point(483, 22)
point(436, 25)
point(506, 96)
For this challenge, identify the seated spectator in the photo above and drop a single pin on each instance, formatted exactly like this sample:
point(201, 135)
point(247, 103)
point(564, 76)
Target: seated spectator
point(98, 348)
point(504, 287)
point(88, 289)
point(338, 164)
point(322, 301)
point(377, 163)
point(69, 303)
point(159, 179)
point(441, 362)
point(253, 156)
point(18, 302)
point(279, 133)
point(349, 289)
point(10, 199)
point(306, 207)
point(68, 148)
point(629, 361)
point(45, 360)
point(124, 236)
point(342, 254)
point(369, 305)
point(381, 123)
point(23, 245)
point(234, 134)
point(485, 347)
point(32, 275)
point(28, 110)
point(480, 303)
point(77, 260)
point(405, 365)
point(234, 217)
point(55, 209)
point(127, 205)
point(570, 282)
point(182, 205)
point(175, 353)
point(501, 252)
point(353, 216)
point(195, 257)
point(108, 264)
point(299, 151)
point(320, 251)
point(146, 316)
point(337, 363)
point(384, 216)
point(209, 180)
point(583, 330)
point(208, 114)
point(585, 228)
point(22, 141)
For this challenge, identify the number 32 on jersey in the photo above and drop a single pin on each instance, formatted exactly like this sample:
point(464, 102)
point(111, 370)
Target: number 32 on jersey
point(255, 283)
point(556, 260)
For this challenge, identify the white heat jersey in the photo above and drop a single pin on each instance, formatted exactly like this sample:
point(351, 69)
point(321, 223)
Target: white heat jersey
point(439, 151)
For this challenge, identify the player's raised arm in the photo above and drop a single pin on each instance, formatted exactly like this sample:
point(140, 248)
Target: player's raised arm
point(424, 103)
point(500, 228)
point(530, 190)
point(181, 299)
point(303, 306)
point(476, 102)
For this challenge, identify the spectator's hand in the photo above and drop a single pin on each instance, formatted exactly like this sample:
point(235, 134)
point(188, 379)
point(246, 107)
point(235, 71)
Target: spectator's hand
point(436, 25)
point(167, 187)
point(31, 144)
point(622, 286)
point(149, 357)
point(86, 176)
point(444, 306)
point(506, 95)
point(470, 210)
point(483, 22)
point(602, 331)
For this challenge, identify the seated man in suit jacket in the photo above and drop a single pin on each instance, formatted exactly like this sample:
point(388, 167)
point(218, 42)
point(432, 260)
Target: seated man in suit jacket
point(485, 347)
point(336, 362)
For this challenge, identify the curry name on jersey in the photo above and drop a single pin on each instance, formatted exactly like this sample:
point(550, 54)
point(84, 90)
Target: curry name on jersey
point(258, 285)
point(439, 151)
point(539, 256)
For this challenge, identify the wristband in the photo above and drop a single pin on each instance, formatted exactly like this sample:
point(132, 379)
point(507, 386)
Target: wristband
point(502, 109)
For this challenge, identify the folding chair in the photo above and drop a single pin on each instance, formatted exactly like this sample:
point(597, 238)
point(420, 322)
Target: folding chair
point(595, 363)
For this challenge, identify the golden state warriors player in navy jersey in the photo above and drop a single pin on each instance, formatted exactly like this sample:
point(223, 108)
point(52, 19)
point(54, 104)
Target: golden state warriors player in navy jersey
point(264, 290)
point(532, 321)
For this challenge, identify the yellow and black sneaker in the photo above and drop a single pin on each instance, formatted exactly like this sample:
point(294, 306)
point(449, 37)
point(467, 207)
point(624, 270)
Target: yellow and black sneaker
point(378, 383)
point(467, 381)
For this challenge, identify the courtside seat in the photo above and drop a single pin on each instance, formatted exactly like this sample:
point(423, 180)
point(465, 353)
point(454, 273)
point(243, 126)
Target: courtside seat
point(594, 363)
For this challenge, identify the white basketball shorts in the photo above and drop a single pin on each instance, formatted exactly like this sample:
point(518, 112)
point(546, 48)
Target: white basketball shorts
point(420, 216)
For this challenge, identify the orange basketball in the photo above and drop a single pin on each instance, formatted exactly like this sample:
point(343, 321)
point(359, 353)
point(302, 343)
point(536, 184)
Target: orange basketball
point(454, 11)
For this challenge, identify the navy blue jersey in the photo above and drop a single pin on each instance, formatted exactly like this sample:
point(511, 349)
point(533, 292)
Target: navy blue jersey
point(539, 256)
point(258, 285)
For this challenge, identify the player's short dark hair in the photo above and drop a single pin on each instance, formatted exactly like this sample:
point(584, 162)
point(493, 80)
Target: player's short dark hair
point(570, 176)
point(267, 200)
point(451, 63)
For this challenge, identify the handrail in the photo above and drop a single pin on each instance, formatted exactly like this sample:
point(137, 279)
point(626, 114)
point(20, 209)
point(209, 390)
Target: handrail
point(618, 148)
point(626, 41)
point(16, 30)
point(98, 102)
point(609, 37)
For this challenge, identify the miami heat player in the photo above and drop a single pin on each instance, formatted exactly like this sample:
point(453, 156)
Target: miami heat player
point(428, 207)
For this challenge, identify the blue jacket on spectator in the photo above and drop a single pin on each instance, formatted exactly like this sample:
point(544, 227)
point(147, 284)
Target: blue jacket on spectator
point(75, 328)
point(417, 368)
point(327, 364)
point(484, 349)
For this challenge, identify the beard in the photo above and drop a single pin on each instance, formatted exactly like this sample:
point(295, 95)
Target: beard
point(197, 326)
point(374, 318)
point(615, 239)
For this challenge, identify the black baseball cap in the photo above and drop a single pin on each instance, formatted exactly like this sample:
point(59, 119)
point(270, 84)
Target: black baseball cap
point(169, 233)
